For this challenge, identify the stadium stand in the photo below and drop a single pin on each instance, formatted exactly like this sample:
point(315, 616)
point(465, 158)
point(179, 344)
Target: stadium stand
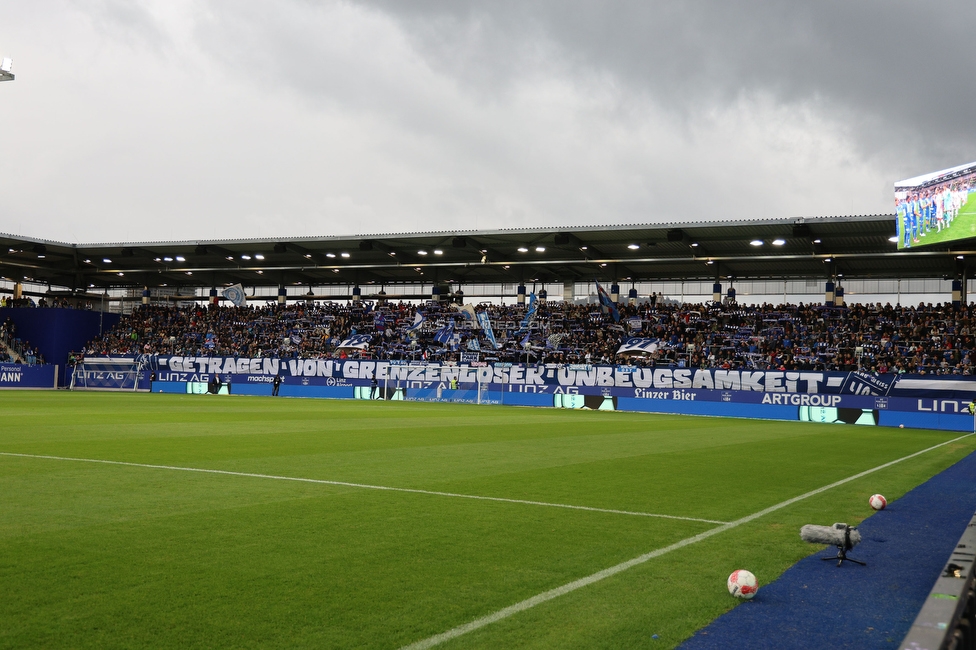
point(925, 339)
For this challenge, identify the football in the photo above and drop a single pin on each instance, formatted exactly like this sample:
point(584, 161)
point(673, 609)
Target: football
point(878, 502)
point(742, 584)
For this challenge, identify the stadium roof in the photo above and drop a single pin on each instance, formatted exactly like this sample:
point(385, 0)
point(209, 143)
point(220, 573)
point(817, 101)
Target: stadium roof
point(823, 247)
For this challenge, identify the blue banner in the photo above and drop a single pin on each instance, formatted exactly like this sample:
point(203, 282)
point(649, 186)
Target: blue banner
point(15, 375)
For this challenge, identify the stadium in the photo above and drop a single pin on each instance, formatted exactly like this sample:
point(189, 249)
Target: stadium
point(329, 448)
point(578, 382)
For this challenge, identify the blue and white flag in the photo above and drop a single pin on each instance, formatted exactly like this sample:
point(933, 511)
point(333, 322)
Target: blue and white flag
point(418, 321)
point(485, 323)
point(474, 344)
point(529, 315)
point(470, 315)
point(637, 345)
point(608, 306)
point(356, 342)
point(445, 335)
point(235, 294)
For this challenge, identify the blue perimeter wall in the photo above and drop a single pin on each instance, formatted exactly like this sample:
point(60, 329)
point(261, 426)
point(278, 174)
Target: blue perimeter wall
point(57, 332)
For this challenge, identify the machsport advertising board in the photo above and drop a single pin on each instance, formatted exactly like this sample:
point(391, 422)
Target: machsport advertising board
point(937, 207)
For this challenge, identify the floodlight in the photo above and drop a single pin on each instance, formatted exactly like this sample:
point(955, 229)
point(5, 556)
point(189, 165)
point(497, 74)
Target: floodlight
point(5, 73)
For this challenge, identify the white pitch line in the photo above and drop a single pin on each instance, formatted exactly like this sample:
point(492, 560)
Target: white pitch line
point(606, 573)
point(364, 486)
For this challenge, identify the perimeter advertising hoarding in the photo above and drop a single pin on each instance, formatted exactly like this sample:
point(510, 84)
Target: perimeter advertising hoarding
point(936, 208)
point(922, 401)
point(15, 375)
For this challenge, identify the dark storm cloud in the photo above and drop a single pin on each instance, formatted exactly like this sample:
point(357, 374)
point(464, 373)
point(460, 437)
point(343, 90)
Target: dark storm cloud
point(898, 73)
point(166, 118)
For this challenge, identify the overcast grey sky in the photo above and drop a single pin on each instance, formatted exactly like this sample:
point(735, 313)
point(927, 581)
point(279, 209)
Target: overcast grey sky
point(173, 120)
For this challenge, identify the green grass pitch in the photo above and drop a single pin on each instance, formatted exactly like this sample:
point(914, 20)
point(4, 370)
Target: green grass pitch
point(109, 555)
point(963, 227)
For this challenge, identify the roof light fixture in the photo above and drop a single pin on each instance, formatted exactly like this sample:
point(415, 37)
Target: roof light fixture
point(756, 242)
point(779, 242)
point(523, 249)
point(540, 249)
point(633, 247)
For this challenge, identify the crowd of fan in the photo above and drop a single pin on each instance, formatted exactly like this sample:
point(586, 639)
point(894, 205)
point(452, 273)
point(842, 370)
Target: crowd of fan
point(59, 302)
point(925, 339)
point(13, 349)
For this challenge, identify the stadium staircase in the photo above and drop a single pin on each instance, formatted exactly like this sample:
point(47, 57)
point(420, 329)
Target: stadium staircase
point(13, 353)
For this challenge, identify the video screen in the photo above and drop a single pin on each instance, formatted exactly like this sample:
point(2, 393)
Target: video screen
point(936, 208)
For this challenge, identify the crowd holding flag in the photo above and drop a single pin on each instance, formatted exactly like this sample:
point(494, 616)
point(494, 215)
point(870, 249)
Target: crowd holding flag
point(608, 306)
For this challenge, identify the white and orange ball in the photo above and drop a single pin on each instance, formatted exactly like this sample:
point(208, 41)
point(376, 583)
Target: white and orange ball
point(878, 502)
point(743, 584)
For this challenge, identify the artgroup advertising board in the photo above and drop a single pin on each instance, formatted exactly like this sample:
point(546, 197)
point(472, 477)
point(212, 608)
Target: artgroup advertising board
point(843, 397)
